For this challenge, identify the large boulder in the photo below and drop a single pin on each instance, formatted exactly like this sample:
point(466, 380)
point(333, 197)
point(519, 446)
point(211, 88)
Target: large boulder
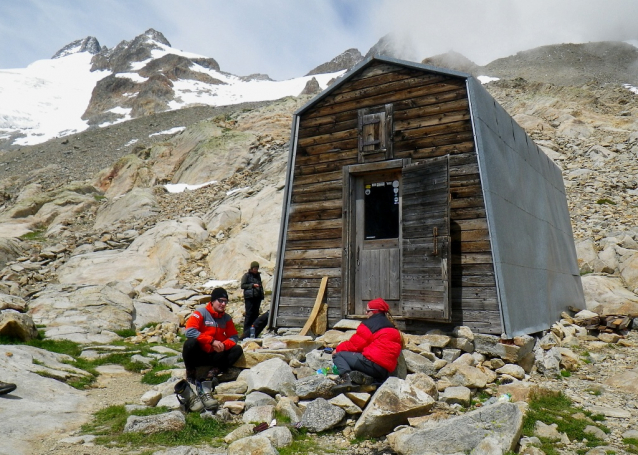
point(501, 421)
point(40, 405)
point(320, 415)
point(84, 314)
point(152, 259)
point(250, 241)
point(17, 325)
point(607, 295)
point(393, 403)
point(272, 376)
point(137, 204)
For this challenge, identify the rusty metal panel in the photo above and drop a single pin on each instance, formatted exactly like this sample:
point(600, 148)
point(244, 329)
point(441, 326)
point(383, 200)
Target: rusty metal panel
point(529, 225)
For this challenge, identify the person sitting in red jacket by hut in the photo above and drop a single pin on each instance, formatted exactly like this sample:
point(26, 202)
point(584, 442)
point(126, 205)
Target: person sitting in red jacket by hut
point(371, 354)
point(211, 338)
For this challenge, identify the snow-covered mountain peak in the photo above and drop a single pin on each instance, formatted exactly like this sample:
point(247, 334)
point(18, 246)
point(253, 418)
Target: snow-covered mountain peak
point(89, 44)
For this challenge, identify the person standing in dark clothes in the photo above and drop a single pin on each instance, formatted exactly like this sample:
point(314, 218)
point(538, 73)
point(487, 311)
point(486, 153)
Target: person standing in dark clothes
point(372, 353)
point(253, 295)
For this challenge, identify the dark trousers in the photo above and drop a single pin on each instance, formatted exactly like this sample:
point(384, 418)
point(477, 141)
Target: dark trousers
point(252, 312)
point(194, 356)
point(348, 361)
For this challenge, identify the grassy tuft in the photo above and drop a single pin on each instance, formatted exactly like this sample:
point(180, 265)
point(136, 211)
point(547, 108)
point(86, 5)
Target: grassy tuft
point(108, 424)
point(605, 201)
point(555, 408)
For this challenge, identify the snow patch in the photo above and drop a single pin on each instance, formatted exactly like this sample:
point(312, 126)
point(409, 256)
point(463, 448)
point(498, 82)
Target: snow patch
point(631, 88)
point(181, 187)
point(236, 190)
point(132, 76)
point(218, 283)
point(177, 129)
point(486, 79)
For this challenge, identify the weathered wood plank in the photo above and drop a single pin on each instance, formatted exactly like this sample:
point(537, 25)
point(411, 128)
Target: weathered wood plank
point(319, 224)
point(317, 196)
point(420, 153)
point(391, 88)
point(317, 178)
point(316, 234)
point(403, 118)
point(422, 126)
point(291, 273)
point(313, 263)
point(316, 253)
point(453, 90)
point(462, 135)
point(336, 154)
point(315, 205)
point(381, 98)
point(313, 244)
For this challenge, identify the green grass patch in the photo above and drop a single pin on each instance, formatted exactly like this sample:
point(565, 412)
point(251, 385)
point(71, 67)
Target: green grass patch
point(108, 425)
point(37, 235)
point(565, 373)
point(303, 443)
point(632, 445)
point(157, 375)
point(99, 197)
point(126, 333)
point(555, 408)
point(605, 201)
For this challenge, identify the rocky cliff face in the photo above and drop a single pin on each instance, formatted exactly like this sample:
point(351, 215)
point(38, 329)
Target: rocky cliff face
point(89, 44)
point(343, 61)
point(141, 84)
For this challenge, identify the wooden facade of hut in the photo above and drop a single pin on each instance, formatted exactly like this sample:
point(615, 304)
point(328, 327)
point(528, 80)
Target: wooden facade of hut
point(411, 183)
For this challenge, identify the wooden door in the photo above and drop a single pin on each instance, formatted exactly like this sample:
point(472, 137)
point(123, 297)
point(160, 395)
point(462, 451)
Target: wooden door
point(425, 276)
point(377, 238)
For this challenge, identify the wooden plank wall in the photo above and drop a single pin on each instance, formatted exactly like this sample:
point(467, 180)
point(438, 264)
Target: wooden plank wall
point(431, 118)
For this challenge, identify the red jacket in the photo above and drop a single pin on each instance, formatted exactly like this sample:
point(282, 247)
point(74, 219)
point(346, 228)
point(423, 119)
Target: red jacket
point(378, 340)
point(207, 325)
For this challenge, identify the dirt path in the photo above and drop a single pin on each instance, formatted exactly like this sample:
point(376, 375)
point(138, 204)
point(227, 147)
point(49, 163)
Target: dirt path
point(111, 389)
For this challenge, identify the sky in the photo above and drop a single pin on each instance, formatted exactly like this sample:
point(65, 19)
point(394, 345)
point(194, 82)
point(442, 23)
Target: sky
point(288, 38)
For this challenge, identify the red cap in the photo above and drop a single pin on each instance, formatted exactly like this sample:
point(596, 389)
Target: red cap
point(379, 305)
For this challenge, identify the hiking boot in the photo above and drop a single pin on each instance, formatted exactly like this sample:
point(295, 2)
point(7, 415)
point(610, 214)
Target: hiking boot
point(188, 397)
point(6, 387)
point(344, 384)
point(361, 378)
point(205, 391)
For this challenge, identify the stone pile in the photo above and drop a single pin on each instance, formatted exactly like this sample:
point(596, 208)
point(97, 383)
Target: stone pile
point(439, 375)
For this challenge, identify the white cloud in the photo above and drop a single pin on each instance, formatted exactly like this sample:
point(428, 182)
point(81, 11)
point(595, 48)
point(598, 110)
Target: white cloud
point(287, 38)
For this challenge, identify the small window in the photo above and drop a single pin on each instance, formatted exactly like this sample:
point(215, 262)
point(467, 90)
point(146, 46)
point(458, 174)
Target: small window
point(375, 132)
point(381, 210)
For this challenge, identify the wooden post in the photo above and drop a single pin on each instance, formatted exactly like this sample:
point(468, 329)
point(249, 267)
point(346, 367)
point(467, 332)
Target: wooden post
point(318, 319)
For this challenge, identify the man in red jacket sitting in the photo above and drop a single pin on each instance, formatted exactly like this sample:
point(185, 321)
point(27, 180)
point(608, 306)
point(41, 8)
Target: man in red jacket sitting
point(371, 354)
point(211, 338)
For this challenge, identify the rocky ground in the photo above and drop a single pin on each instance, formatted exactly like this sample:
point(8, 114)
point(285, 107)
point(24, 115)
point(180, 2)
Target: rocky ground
point(590, 130)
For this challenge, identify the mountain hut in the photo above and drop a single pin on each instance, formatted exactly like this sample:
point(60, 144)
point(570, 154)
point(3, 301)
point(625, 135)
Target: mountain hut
point(411, 183)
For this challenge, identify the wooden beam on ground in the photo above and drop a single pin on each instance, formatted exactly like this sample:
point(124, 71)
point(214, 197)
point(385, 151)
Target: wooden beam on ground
point(319, 311)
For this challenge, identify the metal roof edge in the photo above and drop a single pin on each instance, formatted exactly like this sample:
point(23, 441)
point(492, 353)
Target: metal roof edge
point(378, 58)
point(472, 85)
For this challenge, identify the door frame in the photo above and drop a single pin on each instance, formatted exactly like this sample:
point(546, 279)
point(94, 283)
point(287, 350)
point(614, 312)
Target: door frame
point(349, 256)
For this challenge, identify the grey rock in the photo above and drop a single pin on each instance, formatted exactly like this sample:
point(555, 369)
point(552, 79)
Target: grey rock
point(258, 414)
point(278, 436)
point(320, 415)
point(171, 421)
point(416, 363)
point(393, 403)
point(501, 421)
point(272, 376)
point(259, 399)
point(258, 445)
point(314, 386)
point(17, 325)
